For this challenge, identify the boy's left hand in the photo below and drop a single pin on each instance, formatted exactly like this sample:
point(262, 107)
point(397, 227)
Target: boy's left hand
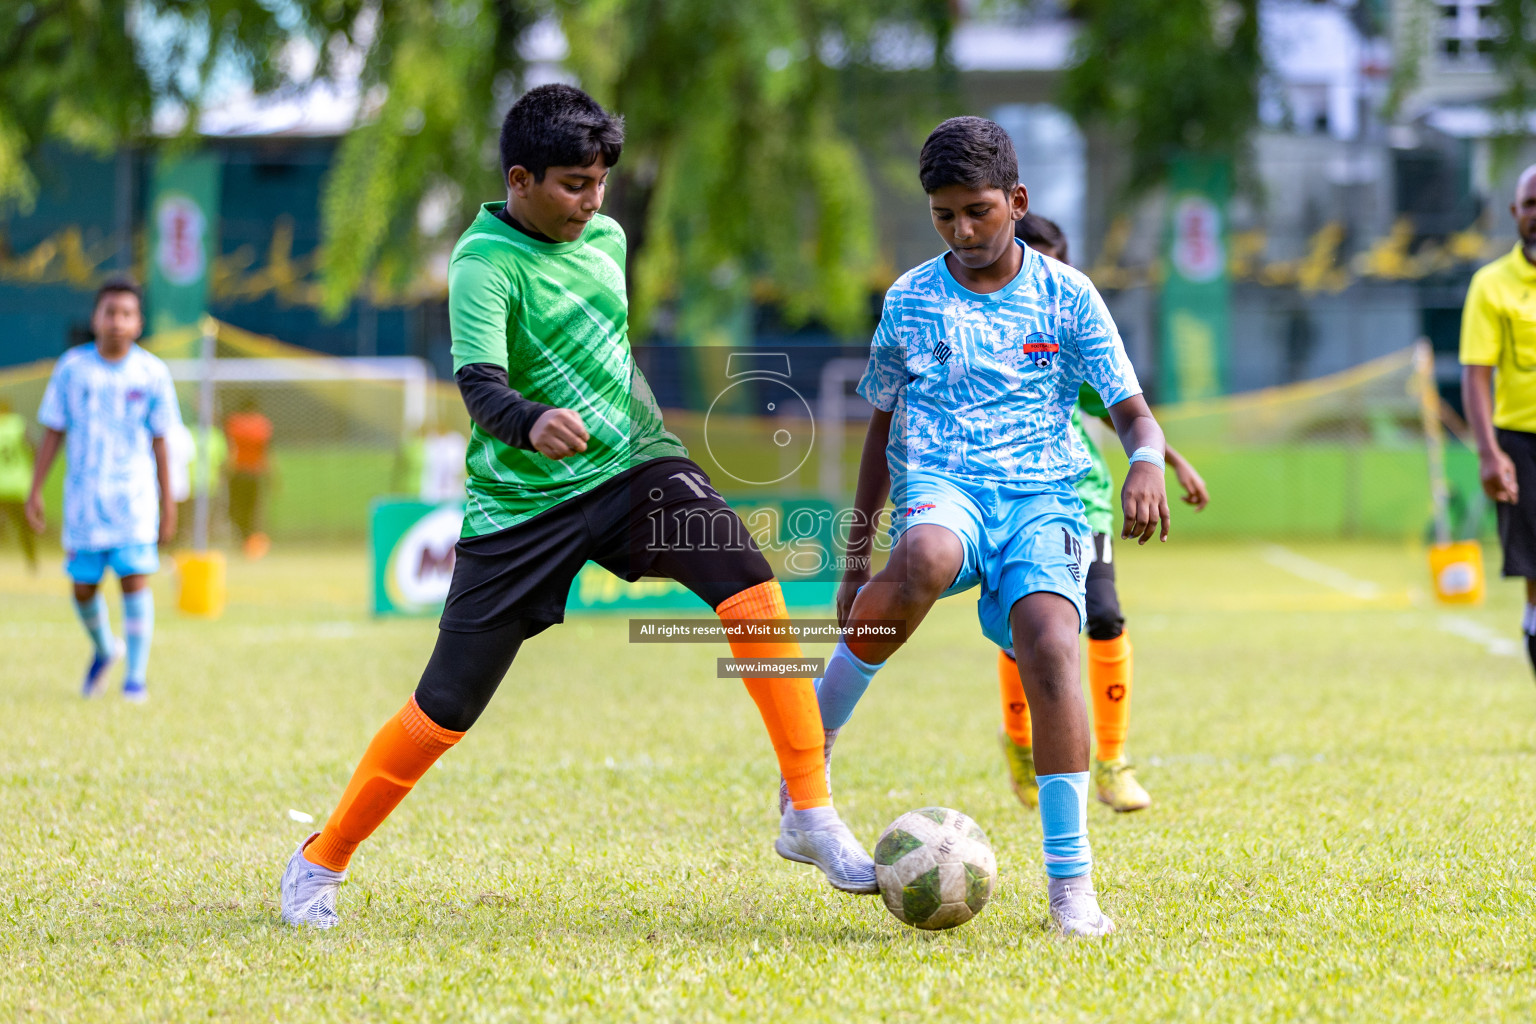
point(1145, 501)
point(1194, 486)
point(167, 523)
point(36, 517)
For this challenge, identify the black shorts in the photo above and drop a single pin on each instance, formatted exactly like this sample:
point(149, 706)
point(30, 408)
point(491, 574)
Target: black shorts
point(661, 518)
point(1517, 523)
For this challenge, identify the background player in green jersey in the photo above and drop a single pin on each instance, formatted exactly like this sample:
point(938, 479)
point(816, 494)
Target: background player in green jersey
point(569, 461)
point(1109, 649)
point(15, 479)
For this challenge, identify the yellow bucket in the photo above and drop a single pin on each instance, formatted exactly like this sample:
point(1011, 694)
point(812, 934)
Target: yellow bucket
point(202, 583)
point(1458, 572)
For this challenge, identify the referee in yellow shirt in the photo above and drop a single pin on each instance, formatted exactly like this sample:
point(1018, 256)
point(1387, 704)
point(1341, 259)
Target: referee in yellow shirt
point(1498, 332)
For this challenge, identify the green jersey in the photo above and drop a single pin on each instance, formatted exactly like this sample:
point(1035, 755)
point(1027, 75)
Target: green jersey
point(218, 451)
point(555, 315)
point(1097, 489)
point(15, 458)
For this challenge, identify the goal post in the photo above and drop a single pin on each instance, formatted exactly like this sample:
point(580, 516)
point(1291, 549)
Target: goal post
point(342, 427)
point(412, 375)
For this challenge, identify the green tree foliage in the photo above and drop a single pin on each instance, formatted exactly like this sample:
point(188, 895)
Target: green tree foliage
point(1168, 76)
point(741, 169)
point(439, 70)
point(748, 122)
point(1513, 52)
point(744, 123)
point(80, 71)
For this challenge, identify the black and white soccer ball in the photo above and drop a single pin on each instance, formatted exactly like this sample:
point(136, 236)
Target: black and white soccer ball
point(935, 868)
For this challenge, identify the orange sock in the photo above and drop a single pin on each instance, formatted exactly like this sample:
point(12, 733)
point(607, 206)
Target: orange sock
point(1109, 680)
point(399, 755)
point(788, 706)
point(1015, 708)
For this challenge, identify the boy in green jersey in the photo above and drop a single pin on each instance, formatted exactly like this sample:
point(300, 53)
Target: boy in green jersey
point(1109, 649)
point(16, 478)
point(569, 461)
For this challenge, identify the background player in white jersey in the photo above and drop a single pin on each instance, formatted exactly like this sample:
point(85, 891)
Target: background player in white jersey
point(973, 373)
point(112, 404)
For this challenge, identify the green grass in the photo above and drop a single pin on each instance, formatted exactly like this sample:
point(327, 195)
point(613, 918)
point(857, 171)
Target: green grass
point(1344, 805)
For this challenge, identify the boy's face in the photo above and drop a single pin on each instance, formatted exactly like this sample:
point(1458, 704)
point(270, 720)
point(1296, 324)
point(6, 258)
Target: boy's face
point(117, 321)
point(977, 223)
point(560, 206)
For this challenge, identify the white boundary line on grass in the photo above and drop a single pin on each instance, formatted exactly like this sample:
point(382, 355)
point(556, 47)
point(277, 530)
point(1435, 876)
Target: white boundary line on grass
point(1317, 572)
point(1489, 639)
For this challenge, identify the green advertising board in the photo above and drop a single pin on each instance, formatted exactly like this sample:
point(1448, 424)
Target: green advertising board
point(1196, 295)
point(183, 240)
point(412, 550)
point(411, 544)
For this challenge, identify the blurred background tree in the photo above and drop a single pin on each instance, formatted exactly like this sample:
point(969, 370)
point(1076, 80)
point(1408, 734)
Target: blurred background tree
point(1512, 48)
point(92, 73)
point(746, 123)
point(743, 173)
point(1168, 76)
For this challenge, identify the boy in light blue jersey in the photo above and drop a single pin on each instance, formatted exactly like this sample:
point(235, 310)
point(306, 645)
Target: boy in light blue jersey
point(974, 372)
point(113, 404)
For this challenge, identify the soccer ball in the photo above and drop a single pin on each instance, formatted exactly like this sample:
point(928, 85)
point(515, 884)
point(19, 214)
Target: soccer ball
point(935, 868)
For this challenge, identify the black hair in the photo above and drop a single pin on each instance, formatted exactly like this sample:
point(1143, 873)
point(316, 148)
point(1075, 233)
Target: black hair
point(119, 284)
point(968, 151)
point(558, 126)
point(1037, 232)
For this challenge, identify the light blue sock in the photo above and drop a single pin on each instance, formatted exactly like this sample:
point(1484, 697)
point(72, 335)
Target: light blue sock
point(1064, 820)
point(139, 629)
point(838, 691)
point(97, 623)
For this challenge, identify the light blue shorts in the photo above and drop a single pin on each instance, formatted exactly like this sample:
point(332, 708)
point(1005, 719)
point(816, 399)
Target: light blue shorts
point(128, 560)
point(1018, 541)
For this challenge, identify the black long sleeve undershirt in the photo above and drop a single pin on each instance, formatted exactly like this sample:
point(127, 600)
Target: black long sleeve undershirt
point(505, 216)
point(499, 410)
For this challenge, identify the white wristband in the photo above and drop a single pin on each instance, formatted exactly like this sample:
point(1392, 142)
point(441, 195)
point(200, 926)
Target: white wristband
point(1148, 454)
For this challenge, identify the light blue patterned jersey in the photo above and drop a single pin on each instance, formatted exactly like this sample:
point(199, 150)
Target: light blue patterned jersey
point(109, 412)
point(981, 387)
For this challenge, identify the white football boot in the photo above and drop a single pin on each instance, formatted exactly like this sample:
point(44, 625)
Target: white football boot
point(818, 836)
point(309, 891)
point(1075, 908)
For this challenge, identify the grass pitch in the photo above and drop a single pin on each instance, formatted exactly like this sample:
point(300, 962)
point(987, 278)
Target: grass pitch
point(1344, 779)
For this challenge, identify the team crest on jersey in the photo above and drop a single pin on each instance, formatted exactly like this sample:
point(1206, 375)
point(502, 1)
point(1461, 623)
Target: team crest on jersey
point(941, 352)
point(1040, 349)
